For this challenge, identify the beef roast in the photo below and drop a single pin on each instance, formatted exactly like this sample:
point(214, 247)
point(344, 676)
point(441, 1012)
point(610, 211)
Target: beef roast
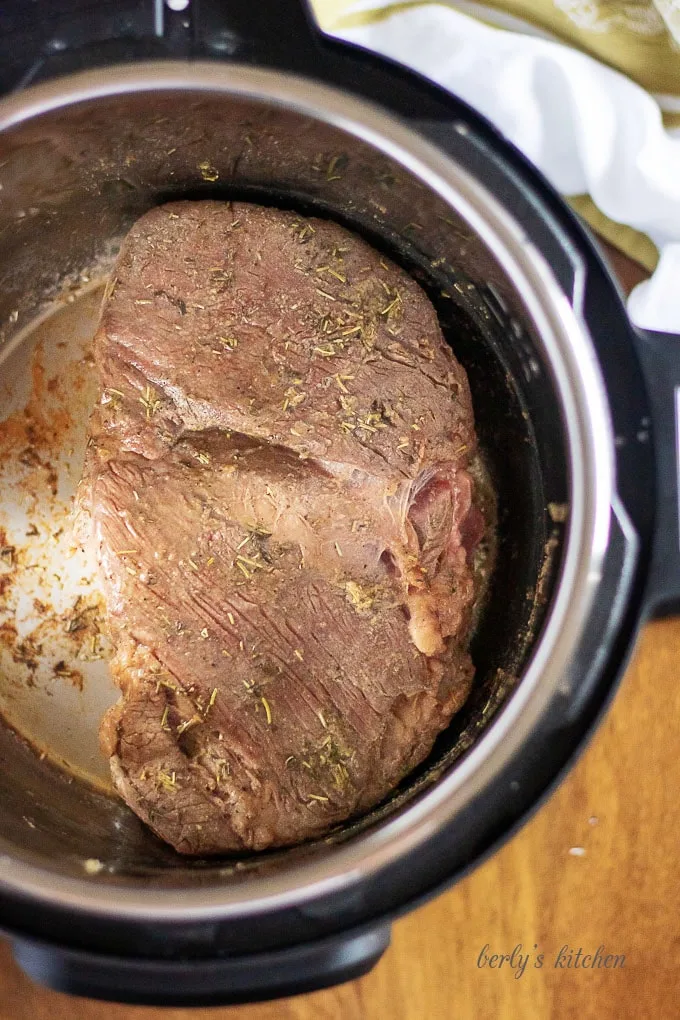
point(277, 486)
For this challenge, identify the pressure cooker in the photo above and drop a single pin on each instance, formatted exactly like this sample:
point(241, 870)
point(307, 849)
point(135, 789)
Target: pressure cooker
point(108, 109)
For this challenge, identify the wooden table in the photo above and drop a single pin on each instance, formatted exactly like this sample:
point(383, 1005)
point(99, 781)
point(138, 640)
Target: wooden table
point(620, 807)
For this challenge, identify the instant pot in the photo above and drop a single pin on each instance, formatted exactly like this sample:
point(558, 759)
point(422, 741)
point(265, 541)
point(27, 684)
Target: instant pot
point(109, 108)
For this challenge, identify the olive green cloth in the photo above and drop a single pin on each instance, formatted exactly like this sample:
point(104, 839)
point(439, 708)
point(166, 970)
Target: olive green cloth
point(641, 38)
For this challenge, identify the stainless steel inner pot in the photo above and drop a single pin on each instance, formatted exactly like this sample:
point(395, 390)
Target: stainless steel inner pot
point(80, 159)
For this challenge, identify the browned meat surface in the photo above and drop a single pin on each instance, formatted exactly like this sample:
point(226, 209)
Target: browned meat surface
point(278, 491)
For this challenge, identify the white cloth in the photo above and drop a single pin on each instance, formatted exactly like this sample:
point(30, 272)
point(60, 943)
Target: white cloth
point(587, 127)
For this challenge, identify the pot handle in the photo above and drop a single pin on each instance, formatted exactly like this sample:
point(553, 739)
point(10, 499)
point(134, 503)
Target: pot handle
point(212, 982)
point(660, 359)
point(269, 32)
point(274, 33)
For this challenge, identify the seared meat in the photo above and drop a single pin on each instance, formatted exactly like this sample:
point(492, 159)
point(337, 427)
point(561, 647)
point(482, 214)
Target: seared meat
point(278, 491)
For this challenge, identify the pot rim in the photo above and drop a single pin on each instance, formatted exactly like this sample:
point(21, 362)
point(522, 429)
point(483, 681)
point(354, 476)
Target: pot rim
point(568, 350)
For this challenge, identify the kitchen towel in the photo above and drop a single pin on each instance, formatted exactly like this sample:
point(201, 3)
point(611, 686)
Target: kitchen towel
point(638, 37)
point(589, 128)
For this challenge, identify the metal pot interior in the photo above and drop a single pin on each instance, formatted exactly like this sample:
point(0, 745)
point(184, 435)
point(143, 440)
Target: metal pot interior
point(74, 178)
